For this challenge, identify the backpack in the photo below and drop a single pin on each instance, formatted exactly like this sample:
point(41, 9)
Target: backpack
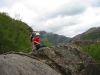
point(32, 36)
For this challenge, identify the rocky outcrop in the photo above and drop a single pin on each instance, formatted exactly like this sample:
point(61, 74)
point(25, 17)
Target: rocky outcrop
point(69, 61)
point(13, 64)
point(58, 60)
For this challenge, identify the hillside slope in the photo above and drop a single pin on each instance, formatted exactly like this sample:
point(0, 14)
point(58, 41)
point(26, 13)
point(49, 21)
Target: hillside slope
point(91, 34)
point(14, 35)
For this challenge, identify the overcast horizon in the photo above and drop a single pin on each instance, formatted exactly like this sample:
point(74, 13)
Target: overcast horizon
point(64, 17)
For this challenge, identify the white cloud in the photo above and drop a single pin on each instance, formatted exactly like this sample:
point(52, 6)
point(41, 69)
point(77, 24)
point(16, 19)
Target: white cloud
point(66, 17)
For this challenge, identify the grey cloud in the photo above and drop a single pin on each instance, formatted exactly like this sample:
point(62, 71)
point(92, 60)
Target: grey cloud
point(95, 3)
point(70, 9)
point(8, 3)
point(61, 26)
point(55, 29)
point(2, 3)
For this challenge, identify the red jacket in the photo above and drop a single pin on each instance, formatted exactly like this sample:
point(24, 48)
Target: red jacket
point(36, 40)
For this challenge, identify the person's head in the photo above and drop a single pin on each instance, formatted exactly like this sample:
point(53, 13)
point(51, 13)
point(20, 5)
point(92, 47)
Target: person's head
point(37, 34)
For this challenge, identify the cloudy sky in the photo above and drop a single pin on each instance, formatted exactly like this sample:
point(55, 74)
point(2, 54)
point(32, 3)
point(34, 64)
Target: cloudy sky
point(65, 17)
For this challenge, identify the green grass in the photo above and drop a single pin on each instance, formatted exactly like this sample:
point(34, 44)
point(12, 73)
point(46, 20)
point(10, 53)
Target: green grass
point(91, 36)
point(93, 50)
point(14, 35)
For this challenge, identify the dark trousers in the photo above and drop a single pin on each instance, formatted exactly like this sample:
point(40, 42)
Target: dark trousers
point(39, 46)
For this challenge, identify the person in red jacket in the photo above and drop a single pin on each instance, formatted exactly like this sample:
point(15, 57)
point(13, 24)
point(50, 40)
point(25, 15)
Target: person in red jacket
point(36, 41)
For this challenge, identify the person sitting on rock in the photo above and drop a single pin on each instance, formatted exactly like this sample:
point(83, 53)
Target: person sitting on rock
point(36, 41)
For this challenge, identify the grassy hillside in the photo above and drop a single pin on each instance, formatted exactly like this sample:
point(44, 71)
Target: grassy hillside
point(92, 34)
point(93, 50)
point(89, 41)
point(14, 35)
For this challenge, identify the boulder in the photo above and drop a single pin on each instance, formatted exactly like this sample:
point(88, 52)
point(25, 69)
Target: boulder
point(14, 64)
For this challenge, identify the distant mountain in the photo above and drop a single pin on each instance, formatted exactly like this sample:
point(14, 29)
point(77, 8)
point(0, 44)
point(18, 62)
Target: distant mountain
point(91, 34)
point(54, 38)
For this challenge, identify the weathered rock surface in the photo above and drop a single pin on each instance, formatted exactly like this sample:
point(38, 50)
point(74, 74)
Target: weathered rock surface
point(13, 64)
point(69, 61)
point(58, 60)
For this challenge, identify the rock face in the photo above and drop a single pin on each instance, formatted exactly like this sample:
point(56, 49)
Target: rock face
point(12, 64)
point(59, 60)
point(69, 61)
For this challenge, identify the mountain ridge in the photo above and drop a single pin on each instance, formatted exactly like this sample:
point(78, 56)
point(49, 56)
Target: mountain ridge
point(54, 38)
point(92, 34)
